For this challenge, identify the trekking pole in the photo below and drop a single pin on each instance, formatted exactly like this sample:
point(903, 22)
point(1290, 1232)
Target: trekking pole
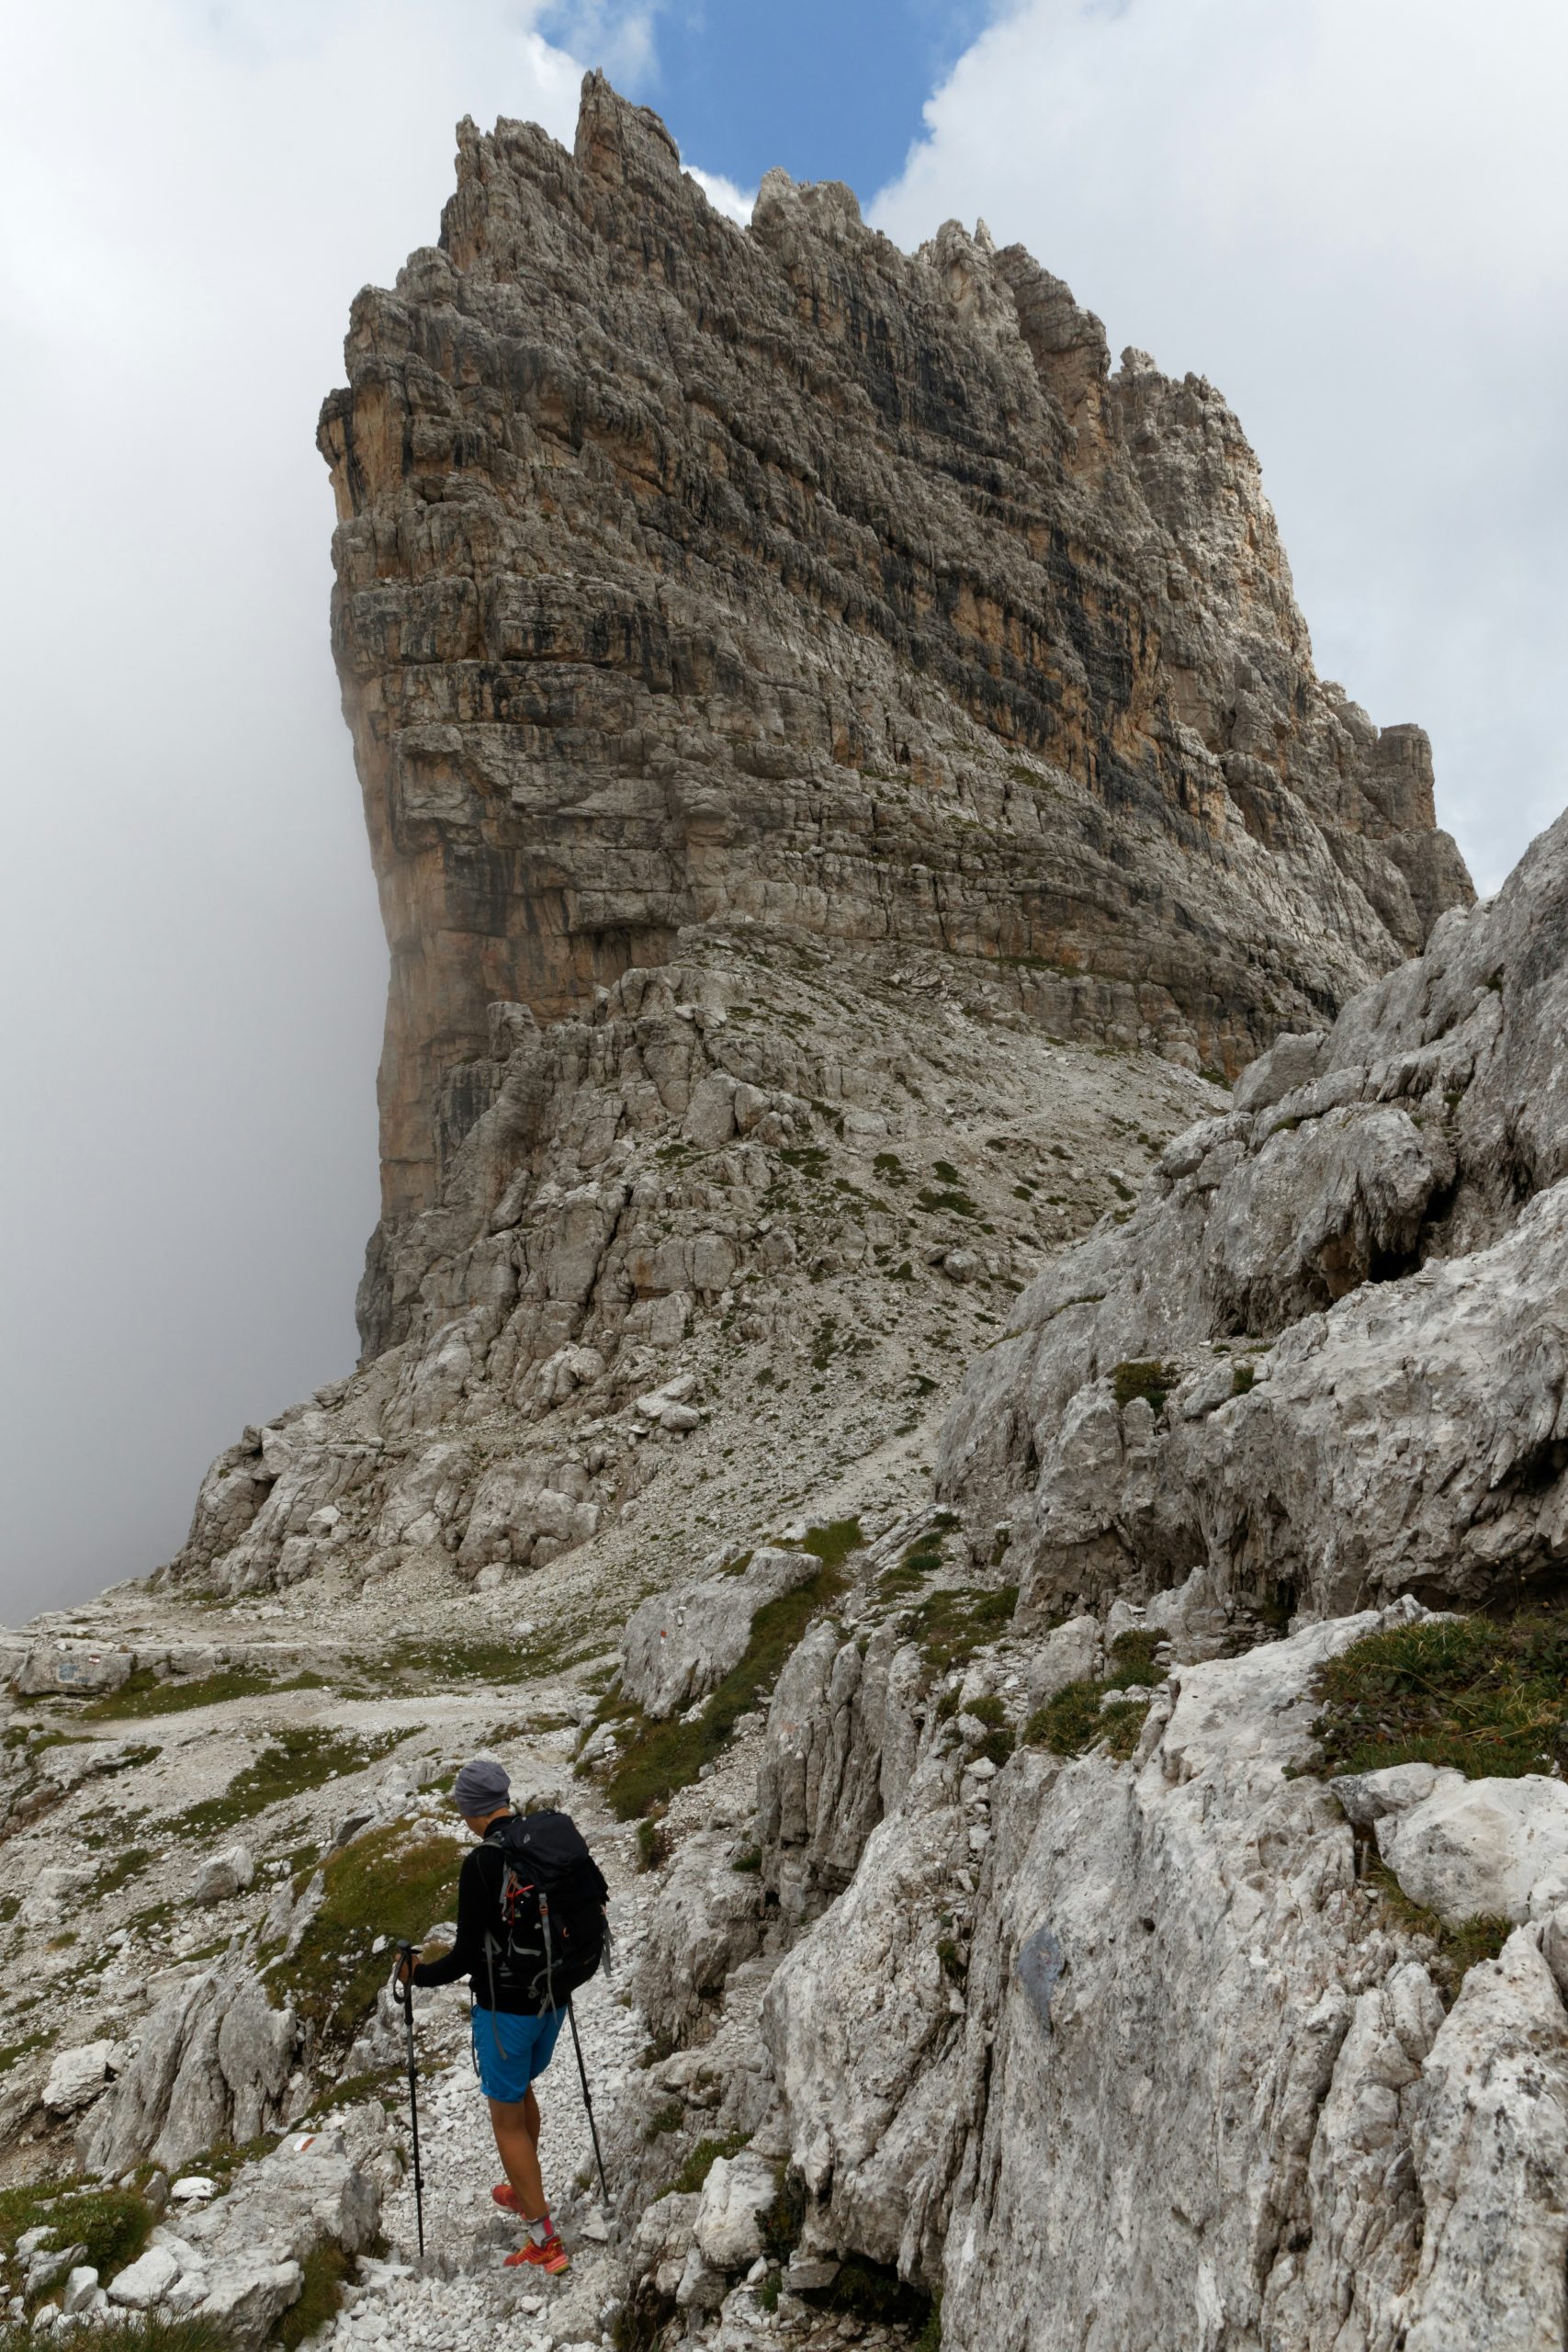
point(587, 2101)
point(402, 1993)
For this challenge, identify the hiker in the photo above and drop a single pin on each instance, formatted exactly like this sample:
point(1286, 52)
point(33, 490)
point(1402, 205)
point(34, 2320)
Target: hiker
point(530, 1928)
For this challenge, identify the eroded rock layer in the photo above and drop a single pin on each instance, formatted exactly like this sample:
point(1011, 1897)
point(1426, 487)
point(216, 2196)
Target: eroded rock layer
point(691, 573)
point(1324, 1362)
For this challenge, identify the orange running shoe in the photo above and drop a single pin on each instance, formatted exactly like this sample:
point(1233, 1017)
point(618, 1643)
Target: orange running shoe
point(505, 2194)
point(552, 2257)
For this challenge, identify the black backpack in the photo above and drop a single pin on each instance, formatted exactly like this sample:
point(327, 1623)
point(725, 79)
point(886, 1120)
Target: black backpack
point(551, 1934)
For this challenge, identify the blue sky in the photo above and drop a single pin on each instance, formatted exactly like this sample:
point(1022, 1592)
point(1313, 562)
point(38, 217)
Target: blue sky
point(831, 90)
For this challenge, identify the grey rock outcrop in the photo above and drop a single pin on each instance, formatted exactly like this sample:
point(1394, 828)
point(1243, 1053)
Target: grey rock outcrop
point(1334, 1312)
point(212, 2063)
point(679, 1644)
point(1131, 1951)
point(238, 2263)
point(689, 574)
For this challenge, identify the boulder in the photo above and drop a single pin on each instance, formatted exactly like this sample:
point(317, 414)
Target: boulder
point(224, 1875)
point(77, 2076)
point(738, 2192)
point(73, 1668)
point(1464, 1848)
point(706, 1918)
point(145, 2281)
point(81, 2287)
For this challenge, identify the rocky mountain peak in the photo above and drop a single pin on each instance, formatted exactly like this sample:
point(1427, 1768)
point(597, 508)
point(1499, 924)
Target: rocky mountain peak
point(688, 572)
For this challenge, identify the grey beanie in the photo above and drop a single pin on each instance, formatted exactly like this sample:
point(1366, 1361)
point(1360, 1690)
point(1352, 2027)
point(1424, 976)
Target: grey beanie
point(480, 1787)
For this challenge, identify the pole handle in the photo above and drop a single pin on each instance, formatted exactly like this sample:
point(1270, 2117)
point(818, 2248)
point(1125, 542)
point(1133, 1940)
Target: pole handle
point(403, 1995)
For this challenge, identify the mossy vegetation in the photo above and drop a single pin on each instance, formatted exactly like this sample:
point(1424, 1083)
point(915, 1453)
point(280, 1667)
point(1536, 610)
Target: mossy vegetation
point(393, 1882)
point(113, 2224)
point(1149, 1379)
point(657, 1759)
point(1485, 1698)
point(952, 1625)
point(1456, 1949)
point(701, 2162)
point(147, 1693)
point(1244, 1379)
point(293, 1761)
point(326, 2269)
point(1071, 1722)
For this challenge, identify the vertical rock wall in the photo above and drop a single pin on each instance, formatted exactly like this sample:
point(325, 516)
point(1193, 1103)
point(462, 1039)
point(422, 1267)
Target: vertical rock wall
point(691, 574)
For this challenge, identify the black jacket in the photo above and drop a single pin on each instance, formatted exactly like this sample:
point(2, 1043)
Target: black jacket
point(480, 1882)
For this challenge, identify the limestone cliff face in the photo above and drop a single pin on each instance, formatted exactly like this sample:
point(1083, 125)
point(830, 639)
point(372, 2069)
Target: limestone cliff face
point(689, 574)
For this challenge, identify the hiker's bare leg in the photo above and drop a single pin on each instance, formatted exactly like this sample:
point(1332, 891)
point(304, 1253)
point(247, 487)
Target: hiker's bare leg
point(531, 2117)
point(517, 2146)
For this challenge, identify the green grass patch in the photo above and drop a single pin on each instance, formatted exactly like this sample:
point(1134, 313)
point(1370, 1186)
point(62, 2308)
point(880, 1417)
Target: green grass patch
point(781, 2225)
point(1150, 1379)
point(1458, 1948)
point(951, 1625)
point(1485, 1698)
point(326, 2269)
point(292, 1762)
point(389, 1882)
point(1244, 1379)
point(131, 2331)
point(701, 2162)
point(114, 2224)
point(1071, 1722)
point(946, 1203)
point(147, 1693)
point(657, 1759)
point(15, 2052)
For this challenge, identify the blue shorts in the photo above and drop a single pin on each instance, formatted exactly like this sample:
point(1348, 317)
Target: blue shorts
point(511, 2052)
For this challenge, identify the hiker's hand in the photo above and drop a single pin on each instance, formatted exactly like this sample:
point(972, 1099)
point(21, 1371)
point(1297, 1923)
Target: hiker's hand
point(404, 1970)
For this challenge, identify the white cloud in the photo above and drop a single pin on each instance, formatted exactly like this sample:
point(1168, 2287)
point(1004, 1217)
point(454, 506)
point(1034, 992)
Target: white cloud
point(191, 953)
point(722, 194)
point(1351, 215)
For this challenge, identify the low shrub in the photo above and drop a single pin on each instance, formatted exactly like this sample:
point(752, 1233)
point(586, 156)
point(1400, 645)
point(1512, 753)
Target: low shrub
point(951, 1625)
point(1072, 1722)
point(1487, 1698)
point(780, 2227)
point(326, 2269)
point(701, 2162)
point(130, 2333)
point(1151, 1380)
point(652, 1845)
point(114, 2224)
